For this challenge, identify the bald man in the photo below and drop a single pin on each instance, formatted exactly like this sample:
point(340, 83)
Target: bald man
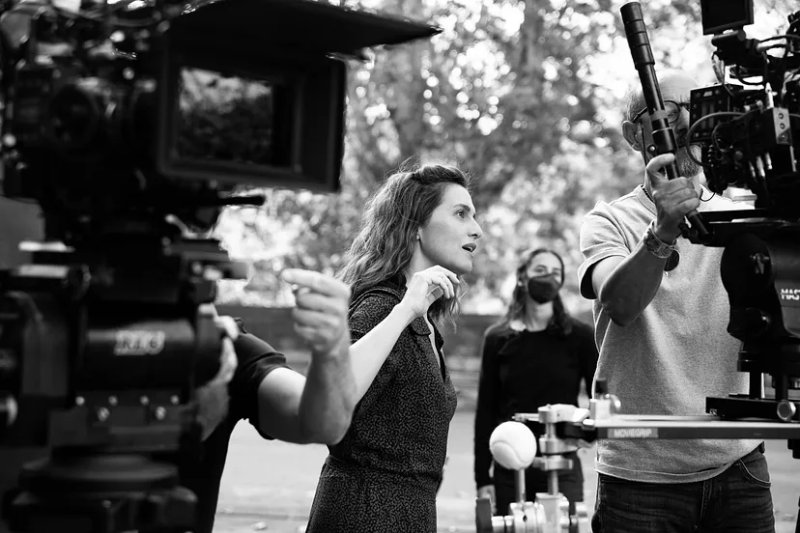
point(661, 315)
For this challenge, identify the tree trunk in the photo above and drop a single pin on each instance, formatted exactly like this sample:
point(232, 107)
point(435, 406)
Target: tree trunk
point(406, 86)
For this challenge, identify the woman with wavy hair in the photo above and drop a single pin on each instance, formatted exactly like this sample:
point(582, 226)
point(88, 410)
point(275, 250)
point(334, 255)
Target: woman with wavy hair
point(418, 236)
point(537, 354)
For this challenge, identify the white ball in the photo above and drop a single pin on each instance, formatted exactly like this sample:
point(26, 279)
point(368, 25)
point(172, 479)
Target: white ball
point(513, 445)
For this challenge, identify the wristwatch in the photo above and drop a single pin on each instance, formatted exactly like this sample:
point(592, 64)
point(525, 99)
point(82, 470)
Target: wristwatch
point(656, 246)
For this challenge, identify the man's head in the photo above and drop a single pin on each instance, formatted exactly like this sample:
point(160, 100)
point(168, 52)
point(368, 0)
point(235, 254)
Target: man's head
point(676, 88)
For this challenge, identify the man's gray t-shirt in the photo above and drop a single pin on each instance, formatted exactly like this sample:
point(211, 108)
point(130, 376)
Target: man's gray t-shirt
point(674, 355)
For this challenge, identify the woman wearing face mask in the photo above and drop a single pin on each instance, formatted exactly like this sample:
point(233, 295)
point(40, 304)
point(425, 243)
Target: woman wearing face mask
point(536, 355)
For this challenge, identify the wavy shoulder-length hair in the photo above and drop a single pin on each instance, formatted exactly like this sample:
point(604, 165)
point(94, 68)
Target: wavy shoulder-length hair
point(392, 218)
point(561, 322)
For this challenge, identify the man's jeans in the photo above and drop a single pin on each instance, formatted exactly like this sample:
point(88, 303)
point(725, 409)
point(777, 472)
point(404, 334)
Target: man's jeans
point(737, 500)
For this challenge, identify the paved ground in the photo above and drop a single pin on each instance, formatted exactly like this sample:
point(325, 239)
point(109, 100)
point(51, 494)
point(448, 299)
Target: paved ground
point(268, 486)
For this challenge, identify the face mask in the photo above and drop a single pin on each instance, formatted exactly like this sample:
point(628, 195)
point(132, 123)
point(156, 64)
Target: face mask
point(544, 288)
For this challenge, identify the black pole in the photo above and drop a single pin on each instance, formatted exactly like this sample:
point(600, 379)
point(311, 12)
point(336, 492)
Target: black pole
point(663, 136)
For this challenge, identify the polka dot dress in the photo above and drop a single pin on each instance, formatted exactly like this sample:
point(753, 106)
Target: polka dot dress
point(383, 476)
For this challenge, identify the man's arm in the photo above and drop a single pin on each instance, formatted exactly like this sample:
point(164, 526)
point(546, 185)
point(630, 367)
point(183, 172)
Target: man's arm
point(626, 286)
point(316, 408)
point(295, 408)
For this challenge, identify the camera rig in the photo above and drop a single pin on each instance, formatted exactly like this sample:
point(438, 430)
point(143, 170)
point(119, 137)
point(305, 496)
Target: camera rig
point(745, 122)
point(569, 426)
point(132, 124)
point(746, 134)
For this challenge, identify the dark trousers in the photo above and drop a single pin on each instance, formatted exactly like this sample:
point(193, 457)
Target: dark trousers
point(736, 501)
point(570, 484)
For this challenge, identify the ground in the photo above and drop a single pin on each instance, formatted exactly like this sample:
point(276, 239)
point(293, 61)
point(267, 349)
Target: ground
point(269, 486)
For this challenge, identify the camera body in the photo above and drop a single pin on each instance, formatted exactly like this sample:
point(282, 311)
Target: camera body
point(177, 104)
point(745, 128)
point(749, 138)
point(132, 124)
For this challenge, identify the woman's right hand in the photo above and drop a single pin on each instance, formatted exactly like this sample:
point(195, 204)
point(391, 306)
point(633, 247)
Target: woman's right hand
point(426, 286)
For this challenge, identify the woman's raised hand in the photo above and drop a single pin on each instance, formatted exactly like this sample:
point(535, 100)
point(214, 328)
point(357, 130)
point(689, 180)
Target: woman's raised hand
point(426, 286)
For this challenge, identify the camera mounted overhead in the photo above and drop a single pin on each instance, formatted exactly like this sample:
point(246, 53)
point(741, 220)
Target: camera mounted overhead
point(745, 122)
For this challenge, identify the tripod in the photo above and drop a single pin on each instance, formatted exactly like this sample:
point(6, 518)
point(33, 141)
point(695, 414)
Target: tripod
point(84, 493)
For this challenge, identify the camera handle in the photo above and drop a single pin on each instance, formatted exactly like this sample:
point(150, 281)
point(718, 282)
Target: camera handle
point(663, 136)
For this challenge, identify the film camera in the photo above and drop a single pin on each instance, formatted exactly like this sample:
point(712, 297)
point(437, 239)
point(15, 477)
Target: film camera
point(132, 124)
point(747, 126)
point(745, 131)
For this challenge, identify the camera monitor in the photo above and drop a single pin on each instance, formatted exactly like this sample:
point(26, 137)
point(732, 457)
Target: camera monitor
point(256, 90)
point(721, 15)
point(266, 119)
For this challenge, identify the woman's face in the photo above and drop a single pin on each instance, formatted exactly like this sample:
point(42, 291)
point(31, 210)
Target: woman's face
point(544, 264)
point(450, 237)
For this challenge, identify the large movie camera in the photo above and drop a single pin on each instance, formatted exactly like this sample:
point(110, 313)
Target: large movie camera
point(744, 123)
point(745, 131)
point(747, 127)
point(131, 124)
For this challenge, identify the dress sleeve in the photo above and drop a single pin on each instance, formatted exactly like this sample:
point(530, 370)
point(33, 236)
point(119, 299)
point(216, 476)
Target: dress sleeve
point(486, 410)
point(370, 311)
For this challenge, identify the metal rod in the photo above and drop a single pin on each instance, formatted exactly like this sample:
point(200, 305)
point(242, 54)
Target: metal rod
point(552, 482)
point(521, 485)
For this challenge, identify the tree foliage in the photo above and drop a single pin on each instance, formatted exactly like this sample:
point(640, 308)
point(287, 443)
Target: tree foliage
point(525, 95)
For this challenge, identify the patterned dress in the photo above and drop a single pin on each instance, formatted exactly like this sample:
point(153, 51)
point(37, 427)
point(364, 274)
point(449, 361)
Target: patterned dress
point(384, 474)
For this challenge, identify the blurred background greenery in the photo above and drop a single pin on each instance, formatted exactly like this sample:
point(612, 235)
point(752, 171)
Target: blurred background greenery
point(524, 95)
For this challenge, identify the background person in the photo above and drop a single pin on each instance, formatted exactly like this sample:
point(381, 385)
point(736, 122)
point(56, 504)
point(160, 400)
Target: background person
point(536, 355)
